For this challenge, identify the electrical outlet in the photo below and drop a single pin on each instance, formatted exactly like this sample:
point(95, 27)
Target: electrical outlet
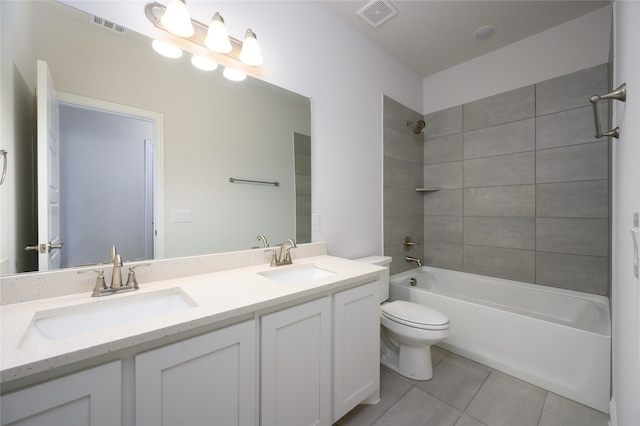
point(315, 222)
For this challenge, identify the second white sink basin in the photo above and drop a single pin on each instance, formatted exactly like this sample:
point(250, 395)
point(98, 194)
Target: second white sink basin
point(56, 324)
point(296, 274)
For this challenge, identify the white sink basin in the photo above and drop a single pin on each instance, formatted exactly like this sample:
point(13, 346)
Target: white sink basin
point(56, 324)
point(296, 274)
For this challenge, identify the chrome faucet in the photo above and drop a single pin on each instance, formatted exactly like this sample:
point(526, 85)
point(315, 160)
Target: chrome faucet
point(284, 258)
point(116, 286)
point(417, 260)
point(116, 276)
point(262, 238)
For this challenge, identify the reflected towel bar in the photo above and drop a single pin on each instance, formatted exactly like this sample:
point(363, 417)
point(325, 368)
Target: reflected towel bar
point(232, 180)
point(620, 94)
point(3, 154)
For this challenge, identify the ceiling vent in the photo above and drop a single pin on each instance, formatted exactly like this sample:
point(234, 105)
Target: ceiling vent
point(377, 12)
point(108, 25)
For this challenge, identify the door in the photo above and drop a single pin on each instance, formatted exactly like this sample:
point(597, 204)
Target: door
point(48, 170)
point(209, 379)
point(356, 364)
point(89, 397)
point(107, 163)
point(295, 365)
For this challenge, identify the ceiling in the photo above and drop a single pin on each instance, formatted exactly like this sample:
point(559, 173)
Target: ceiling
point(430, 36)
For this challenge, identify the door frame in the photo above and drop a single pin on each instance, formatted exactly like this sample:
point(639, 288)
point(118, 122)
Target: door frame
point(158, 184)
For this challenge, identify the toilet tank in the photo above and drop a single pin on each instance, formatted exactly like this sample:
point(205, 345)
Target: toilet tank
point(384, 281)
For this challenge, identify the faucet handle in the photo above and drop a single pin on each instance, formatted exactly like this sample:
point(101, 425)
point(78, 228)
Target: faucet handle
point(274, 255)
point(131, 278)
point(100, 283)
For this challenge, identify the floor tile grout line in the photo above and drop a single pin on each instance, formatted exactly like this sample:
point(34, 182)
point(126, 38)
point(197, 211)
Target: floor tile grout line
point(478, 390)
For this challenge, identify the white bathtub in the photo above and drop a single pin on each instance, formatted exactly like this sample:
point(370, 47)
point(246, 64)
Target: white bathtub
point(556, 339)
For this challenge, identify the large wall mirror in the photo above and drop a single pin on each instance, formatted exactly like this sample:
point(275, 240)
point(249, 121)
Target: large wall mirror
point(211, 130)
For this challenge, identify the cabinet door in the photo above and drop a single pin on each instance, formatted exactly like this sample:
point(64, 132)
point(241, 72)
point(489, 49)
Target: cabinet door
point(204, 380)
point(295, 373)
point(89, 397)
point(356, 347)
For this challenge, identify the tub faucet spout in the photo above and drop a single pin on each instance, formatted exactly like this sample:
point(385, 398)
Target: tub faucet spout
point(417, 260)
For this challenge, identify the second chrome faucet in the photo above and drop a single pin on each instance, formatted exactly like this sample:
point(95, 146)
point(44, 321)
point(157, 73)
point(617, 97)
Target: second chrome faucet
point(284, 257)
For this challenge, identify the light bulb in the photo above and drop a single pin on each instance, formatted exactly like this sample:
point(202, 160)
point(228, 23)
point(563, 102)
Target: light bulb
point(203, 63)
point(233, 75)
point(251, 54)
point(217, 37)
point(176, 19)
point(165, 49)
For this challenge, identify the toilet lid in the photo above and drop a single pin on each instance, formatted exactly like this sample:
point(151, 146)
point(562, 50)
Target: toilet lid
point(415, 315)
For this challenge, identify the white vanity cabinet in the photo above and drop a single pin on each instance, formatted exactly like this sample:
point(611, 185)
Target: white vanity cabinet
point(207, 379)
point(295, 367)
point(88, 397)
point(356, 346)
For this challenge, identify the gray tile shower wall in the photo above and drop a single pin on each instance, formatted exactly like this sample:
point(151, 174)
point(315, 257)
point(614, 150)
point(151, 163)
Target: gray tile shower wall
point(403, 173)
point(525, 186)
point(302, 150)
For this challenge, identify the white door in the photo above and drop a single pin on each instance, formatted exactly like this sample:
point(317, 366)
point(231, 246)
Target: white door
point(48, 166)
point(90, 397)
point(209, 379)
point(295, 366)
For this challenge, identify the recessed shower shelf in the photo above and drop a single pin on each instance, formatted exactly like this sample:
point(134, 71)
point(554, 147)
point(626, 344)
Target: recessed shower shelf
point(434, 189)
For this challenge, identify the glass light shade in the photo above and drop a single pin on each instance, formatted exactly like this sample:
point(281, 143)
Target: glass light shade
point(203, 64)
point(165, 49)
point(217, 37)
point(176, 19)
point(251, 54)
point(233, 75)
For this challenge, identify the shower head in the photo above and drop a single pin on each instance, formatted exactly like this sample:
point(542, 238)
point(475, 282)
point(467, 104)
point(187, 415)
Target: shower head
point(418, 127)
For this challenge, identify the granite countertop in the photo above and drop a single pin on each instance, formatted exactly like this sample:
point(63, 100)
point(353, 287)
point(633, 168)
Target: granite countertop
point(217, 297)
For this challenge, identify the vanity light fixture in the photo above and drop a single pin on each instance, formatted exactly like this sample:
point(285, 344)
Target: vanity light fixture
point(213, 37)
point(251, 53)
point(233, 75)
point(203, 63)
point(176, 19)
point(217, 37)
point(484, 32)
point(166, 49)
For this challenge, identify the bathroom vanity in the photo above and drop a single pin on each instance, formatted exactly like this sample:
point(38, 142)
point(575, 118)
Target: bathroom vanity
point(296, 344)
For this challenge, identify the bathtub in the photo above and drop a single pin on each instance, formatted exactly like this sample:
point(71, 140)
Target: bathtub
point(556, 339)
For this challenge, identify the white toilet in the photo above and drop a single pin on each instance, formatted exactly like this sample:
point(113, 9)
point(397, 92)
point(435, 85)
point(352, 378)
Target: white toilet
point(407, 331)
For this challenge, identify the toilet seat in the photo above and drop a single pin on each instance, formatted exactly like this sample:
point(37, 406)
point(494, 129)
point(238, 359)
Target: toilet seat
point(414, 315)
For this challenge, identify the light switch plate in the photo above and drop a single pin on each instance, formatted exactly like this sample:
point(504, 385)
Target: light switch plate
point(180, 216)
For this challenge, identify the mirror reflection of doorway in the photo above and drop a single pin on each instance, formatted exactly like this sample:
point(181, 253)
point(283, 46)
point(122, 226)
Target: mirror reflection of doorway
point(105, 156)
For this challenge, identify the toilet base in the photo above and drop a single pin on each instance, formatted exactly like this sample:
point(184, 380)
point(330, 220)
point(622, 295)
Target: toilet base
point(413, 362)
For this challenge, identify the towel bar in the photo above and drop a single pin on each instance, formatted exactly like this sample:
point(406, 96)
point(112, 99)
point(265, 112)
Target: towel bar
point(620, 94)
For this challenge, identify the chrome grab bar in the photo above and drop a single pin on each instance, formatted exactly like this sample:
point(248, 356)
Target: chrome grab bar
point(232, 180)
point(620, 94)
point(3, 154)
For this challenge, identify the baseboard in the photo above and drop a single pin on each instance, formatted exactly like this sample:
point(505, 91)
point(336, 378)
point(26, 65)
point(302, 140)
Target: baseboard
point(613, 418)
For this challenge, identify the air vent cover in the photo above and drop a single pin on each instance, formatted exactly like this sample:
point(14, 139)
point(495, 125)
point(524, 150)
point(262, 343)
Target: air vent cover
point(377, 12)
point(108, 25)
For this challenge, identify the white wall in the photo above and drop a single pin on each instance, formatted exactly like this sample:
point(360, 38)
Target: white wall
point(570, 47)
point(626, 200)
point(308, 50)
point(16, 135)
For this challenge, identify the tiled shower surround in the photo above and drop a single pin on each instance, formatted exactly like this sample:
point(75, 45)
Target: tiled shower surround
point(524, 185)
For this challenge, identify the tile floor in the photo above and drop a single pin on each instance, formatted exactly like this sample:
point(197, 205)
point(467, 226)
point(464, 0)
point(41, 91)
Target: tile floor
point(465, 393)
